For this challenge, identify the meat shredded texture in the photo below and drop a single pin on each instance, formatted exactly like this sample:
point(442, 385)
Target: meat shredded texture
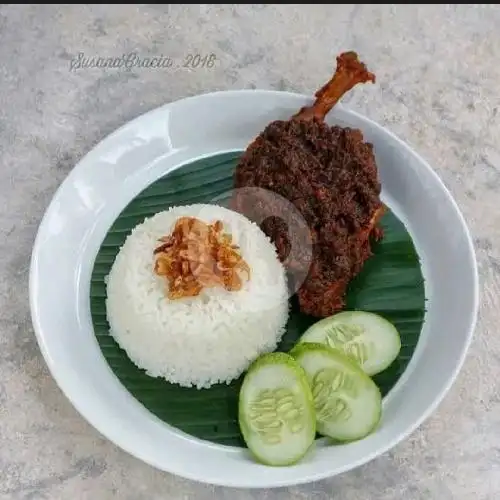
point(329, 174)
point(197, 255)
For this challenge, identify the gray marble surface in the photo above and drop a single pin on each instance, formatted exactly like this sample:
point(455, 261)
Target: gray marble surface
point(437, 89)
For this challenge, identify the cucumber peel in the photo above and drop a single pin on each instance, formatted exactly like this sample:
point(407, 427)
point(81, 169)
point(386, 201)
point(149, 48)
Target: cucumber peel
point(348, 404)
point(365, 337)
point(276, 410)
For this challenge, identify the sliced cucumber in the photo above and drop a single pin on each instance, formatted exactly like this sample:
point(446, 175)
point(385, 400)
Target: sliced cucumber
point(367, 338)
point(348, 404)
point(276, 410)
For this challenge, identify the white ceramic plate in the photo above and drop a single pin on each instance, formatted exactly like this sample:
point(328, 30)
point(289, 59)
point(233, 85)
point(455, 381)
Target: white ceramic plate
point(121, 166)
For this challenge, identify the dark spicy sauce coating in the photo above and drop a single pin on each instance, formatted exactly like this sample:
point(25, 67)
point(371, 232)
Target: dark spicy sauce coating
point(330, 176)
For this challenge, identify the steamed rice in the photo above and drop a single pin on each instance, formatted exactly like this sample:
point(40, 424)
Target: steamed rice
point(203, 340)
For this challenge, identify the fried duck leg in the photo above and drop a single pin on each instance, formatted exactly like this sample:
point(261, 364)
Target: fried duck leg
point(330, 176)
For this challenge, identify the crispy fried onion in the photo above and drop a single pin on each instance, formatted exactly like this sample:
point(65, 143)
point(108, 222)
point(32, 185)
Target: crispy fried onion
point(197, 255)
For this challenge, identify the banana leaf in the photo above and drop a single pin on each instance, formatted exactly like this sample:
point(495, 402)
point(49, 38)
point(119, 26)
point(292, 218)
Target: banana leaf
point(390, 284)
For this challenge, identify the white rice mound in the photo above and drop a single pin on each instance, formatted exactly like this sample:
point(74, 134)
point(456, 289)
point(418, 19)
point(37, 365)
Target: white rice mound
point(204, 340)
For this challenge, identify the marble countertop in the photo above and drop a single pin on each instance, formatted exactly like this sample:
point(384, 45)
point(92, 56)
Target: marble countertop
point(437, 89)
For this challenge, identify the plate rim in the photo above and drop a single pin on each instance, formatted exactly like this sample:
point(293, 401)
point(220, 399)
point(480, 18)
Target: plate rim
point(93, 420)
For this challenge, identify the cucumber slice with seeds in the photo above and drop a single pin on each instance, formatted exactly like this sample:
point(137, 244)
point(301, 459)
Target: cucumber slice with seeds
point(276, 410)
point(347, 402)
point(367, 338)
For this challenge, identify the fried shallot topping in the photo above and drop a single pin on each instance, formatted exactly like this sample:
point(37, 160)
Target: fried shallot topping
point(197, 255)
